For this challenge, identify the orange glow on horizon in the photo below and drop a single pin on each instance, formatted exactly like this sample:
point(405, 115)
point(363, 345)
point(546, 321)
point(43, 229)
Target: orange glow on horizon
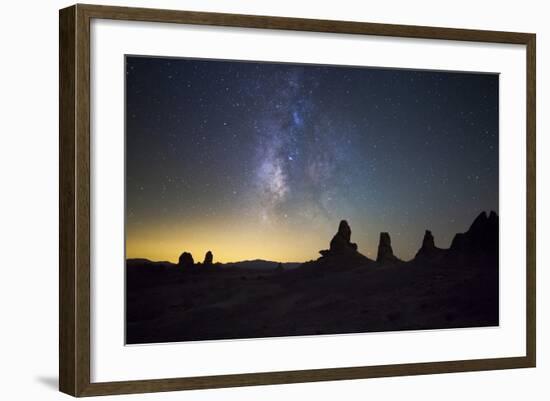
point(228, 241)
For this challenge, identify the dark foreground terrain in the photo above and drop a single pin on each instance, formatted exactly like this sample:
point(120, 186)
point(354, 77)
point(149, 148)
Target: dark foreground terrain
point(341, 292)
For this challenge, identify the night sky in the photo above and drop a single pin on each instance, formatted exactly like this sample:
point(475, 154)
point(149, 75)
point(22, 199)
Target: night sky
point(262, 160)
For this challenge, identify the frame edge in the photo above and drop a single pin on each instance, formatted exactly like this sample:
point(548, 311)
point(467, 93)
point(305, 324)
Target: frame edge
point(301, 24)
point(74, 201)
point(531, 289)
point(67, 178)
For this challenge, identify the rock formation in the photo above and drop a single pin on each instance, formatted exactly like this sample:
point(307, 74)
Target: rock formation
point(342, 251)
point(186, 260)
point(341, 242)
point(428, 243)
point(481, 237)
point(385, 251)
point(208, 259)
point(428, 250)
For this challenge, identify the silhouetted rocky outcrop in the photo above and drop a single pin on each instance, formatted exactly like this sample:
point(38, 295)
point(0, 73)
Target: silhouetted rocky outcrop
point(341, 242)
point(481, 237)
point(186, 260)
point(208, 259)
point(385, 251)
point(342, 251)
point(428, 243)
point(428, 251)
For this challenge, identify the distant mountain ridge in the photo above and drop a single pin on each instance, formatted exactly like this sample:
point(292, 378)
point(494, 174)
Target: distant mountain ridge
point(244, 264)
point(262, 264)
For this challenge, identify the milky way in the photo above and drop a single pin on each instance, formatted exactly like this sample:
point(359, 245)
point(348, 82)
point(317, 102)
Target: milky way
point(263, 159)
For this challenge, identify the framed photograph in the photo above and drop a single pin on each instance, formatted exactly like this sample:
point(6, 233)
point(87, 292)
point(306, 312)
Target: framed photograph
point(250, 200)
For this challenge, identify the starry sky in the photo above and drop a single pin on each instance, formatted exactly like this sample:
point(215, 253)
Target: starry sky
point(262, 160)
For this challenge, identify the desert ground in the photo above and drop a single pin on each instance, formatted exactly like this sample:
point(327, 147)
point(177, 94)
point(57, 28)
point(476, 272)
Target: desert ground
point(341, 292)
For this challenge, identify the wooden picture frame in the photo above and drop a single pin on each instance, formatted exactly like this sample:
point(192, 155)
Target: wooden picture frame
point(74, 204)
